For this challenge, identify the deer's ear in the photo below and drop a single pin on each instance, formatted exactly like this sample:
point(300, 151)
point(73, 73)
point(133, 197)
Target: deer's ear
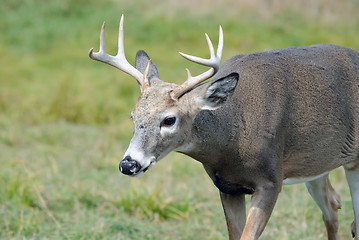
point(141, 63)
point(218, 91)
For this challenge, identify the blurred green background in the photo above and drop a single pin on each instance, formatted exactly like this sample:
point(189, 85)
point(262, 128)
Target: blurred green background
point(65, 119)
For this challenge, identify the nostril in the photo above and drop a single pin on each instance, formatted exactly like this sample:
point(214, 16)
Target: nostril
point(127, 158)
point(129, 166)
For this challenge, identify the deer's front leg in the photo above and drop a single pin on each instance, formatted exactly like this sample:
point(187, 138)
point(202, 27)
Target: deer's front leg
point(234, 207)
point(262, 203)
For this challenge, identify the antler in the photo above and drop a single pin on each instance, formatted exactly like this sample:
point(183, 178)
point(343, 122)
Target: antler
point(214, 61)
point(119, 61)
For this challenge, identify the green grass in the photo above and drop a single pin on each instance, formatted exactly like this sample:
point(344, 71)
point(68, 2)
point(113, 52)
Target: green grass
point(64, 119)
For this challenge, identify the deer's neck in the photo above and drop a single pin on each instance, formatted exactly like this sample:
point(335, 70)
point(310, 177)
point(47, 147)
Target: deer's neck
point(213, 136)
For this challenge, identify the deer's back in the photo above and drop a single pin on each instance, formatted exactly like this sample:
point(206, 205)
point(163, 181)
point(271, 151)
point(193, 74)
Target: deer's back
point(302, 100)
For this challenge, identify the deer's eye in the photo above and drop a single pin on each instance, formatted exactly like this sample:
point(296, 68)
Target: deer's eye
point(168, 121)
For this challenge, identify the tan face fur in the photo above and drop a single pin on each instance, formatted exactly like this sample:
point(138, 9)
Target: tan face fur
point(153, 137)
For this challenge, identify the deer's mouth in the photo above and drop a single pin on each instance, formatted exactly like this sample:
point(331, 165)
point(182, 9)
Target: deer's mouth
point(144, 169)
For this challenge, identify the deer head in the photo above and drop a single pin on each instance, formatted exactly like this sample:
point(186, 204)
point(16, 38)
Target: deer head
point(164, 113)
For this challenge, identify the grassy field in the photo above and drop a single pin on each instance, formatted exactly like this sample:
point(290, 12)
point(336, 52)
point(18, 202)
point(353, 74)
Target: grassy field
point(65, 122)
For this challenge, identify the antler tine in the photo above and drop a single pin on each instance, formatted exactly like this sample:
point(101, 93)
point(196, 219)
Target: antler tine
point(119, 61)
point(146, 82)
point(214, 62)
point(121, 45)
point(220, 42)
point(102, 38)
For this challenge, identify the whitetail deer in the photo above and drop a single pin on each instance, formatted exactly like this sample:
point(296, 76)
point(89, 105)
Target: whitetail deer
point(265, 119)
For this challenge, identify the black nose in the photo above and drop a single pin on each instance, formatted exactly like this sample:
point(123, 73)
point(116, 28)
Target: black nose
point(129, 166)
